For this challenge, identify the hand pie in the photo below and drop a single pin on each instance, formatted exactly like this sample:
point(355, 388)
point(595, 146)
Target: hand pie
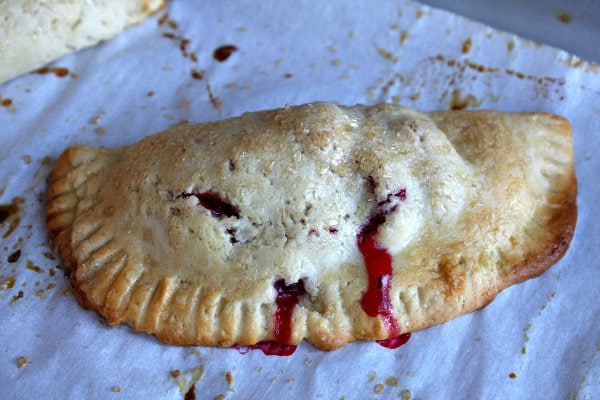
point(36, 32)
point(317, 222)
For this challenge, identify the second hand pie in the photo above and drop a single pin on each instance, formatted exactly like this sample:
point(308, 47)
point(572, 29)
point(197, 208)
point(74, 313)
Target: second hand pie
point(319, 222)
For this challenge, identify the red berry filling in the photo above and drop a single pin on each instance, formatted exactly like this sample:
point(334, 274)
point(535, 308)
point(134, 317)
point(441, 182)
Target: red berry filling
point(287, 298)
point(214, 203)
point(376, 300)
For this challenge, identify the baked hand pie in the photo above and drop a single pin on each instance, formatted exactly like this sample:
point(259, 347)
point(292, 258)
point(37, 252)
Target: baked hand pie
point(36, 32)
point(317, 222)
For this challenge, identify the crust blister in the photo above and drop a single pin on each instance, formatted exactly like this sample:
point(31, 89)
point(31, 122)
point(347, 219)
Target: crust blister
point(493, 196)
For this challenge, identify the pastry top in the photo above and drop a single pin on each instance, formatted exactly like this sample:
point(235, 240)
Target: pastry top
point(36, 32)
point(317, 222)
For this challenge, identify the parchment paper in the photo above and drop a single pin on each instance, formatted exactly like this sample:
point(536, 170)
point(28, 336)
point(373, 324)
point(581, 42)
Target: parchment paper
point(537, 340)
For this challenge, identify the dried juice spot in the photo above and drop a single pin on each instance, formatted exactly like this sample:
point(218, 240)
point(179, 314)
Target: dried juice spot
point(460, 103)
point(222, 53)
point(564, 17)
point(14, 257)
point(58, 71)
point(191, 393)
point(8, 283)
point(198, 75)
point(466, 47)
point(8, 210)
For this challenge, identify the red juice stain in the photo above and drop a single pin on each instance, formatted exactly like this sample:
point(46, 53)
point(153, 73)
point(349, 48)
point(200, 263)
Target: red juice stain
point(269, 347)
point(376, 300)
point(395, 342)
point(287, 298)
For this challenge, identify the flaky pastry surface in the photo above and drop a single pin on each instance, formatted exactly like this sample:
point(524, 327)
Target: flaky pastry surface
point(184, 233)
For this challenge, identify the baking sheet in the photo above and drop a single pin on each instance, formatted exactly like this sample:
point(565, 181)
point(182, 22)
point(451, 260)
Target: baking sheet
point(539, 339)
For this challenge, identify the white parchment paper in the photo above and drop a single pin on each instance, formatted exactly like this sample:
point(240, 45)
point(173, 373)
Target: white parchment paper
point(537, 340)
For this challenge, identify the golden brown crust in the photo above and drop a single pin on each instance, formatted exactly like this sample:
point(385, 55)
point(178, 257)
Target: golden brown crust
point(185, 234)
point(540, 145)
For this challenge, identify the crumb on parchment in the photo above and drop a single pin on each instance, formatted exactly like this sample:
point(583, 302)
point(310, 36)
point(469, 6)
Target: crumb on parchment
point(22, 361)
